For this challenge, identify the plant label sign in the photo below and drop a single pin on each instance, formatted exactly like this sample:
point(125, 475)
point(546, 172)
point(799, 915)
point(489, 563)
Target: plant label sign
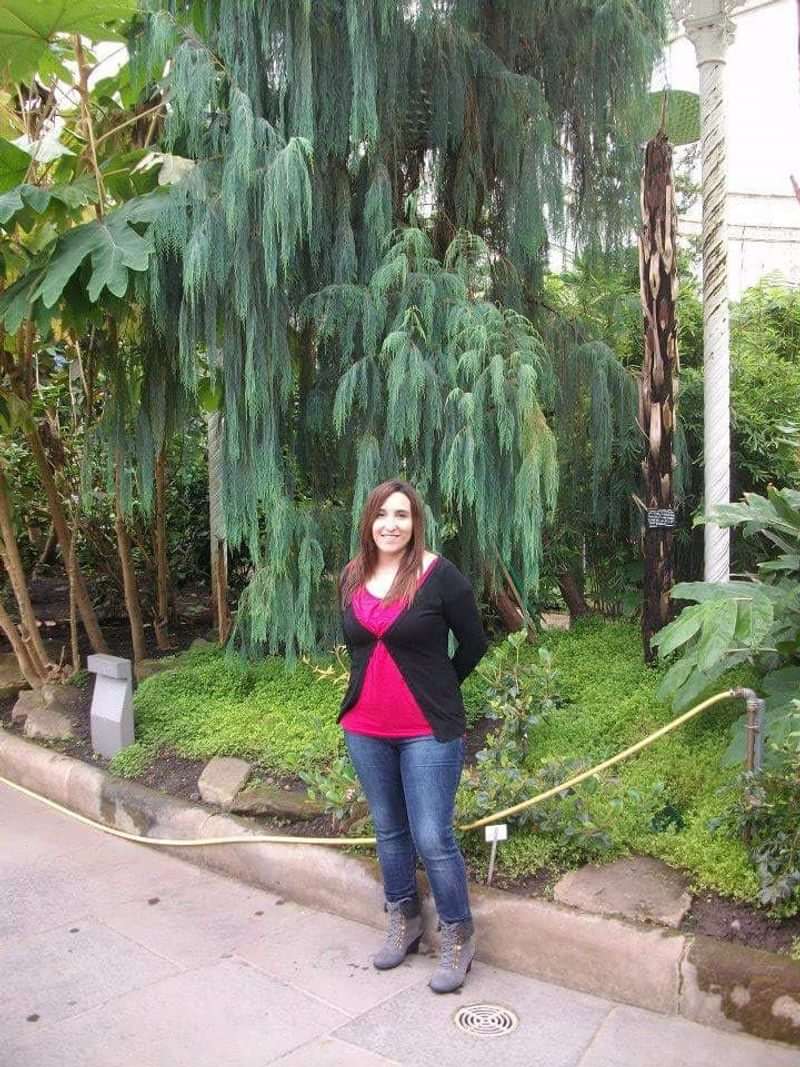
point(660, 518)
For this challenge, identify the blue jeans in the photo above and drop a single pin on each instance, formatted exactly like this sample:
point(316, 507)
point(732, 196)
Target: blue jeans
point(410, 784)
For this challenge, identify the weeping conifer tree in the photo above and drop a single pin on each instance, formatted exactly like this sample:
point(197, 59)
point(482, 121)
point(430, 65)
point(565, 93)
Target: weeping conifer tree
point(360, 246)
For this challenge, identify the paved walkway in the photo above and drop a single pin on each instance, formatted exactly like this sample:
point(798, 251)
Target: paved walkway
point(114, 954)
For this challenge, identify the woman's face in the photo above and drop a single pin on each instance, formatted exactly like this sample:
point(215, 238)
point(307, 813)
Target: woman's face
point(393, 528)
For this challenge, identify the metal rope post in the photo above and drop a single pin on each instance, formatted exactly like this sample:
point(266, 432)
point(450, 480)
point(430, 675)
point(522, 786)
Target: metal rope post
point(755, 715)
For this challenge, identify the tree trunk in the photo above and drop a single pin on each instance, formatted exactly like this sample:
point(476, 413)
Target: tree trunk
point(219, 544)
point(132, 603)
point(49, 551)
point(217, 526)
point(87, 612)
point(29, 629)
point(657, 387)
point(161, 620)
point(573, 596)
point(511, 605)
point(219, 568)
point(73, 605)
point(33, 677)
point(508, 610)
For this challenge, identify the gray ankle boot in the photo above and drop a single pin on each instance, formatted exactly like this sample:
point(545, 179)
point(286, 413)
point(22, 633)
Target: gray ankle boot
point(403, 935)
point(455, 960)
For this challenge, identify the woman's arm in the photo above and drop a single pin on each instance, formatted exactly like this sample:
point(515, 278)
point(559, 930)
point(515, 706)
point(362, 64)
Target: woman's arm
point(463, 618)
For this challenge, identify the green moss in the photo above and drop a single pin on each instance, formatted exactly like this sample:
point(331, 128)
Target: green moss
point(212, 704)
point(526, 852)
point(132, 761)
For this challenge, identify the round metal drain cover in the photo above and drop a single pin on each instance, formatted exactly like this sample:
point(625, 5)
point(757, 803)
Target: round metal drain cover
point(485, 1020)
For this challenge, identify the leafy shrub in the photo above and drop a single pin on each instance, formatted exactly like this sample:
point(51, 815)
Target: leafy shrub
point(756, 622)
point(767, 813)
point(498, 782)
point(519, 694)
point(604, 698)
point(339, 789)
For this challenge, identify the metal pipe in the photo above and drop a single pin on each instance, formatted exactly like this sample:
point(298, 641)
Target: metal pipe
point(755, 715)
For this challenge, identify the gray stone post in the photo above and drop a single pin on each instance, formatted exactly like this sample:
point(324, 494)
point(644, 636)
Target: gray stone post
point(111, 716)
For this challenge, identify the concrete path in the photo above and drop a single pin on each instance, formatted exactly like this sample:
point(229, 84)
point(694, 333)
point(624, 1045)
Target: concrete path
point(113, 954)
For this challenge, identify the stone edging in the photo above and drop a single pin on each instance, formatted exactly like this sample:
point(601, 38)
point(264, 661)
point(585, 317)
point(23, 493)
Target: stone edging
point(727, 986)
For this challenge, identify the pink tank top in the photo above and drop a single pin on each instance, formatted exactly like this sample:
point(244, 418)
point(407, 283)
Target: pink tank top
point(385, 706)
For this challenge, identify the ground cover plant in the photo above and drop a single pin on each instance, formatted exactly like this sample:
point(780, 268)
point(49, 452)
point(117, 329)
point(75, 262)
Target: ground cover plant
point(592, 697)
point(212, 704)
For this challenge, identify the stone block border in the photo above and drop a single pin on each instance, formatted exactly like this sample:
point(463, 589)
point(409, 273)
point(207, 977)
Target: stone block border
point(730, 987)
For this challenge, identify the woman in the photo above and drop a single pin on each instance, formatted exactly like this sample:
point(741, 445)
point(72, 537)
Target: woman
point(403, 718)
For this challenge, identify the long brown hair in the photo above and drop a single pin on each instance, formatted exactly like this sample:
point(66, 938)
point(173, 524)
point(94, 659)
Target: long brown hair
point(362, 565)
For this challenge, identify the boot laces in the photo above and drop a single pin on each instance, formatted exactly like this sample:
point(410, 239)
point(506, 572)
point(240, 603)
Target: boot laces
point(452, 944)
point(397, 928)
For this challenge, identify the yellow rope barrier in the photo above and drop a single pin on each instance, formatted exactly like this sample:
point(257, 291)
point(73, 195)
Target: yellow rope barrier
point(346, 842)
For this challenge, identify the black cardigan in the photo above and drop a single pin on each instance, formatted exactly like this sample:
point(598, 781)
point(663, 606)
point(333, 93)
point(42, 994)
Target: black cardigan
point(417, 642)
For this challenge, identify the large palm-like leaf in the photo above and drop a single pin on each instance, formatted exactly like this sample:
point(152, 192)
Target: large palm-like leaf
point(28, 27)
point(113, 246)
point(14, 164)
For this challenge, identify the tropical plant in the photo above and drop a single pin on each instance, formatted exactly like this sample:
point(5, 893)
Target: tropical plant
point(75, 221)
point(766, 812)
point(755, 621)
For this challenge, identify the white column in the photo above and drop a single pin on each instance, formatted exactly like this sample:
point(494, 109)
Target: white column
point(710, 29)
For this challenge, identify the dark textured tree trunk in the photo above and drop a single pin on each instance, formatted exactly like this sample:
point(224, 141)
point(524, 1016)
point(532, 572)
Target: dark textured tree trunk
point(87, 612)
point(219, 544)
point(573, 596)
point(73, 605)
point(657, 389)
point(508, 610)
point(161, 620)
point(511, 604)
point(219, 573)
point(132, 602)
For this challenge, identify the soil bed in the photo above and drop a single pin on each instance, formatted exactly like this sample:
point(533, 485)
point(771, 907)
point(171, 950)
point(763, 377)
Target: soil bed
point(711, 914)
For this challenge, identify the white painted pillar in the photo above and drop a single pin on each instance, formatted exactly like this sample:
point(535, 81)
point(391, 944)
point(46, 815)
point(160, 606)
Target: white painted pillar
point(710, 29)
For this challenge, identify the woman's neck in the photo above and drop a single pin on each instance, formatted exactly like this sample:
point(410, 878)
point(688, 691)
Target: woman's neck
point(387, 562)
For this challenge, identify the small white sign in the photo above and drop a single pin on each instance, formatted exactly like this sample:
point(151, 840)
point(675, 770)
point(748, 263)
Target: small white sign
point(498, 832)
